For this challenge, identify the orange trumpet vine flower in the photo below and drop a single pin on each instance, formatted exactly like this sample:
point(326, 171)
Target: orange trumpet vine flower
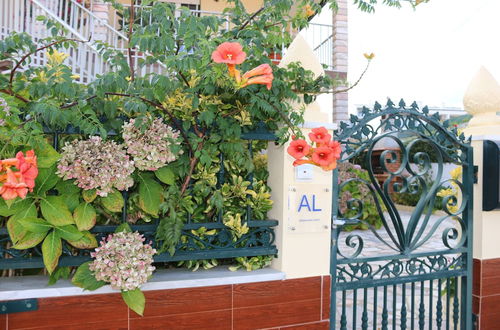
point(232, 54)
point(263, 74)
point(13, 187)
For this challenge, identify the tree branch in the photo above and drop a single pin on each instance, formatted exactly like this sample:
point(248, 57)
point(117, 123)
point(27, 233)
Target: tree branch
point(355, 84)
point(130, 31)
point(17, 96)
point(244, 25)
point(184, 78)
point(18, 64)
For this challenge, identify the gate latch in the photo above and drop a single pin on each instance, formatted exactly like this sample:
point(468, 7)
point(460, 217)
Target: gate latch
point(17, 306)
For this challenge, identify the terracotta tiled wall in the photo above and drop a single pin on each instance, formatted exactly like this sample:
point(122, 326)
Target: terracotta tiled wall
point(289, 304)
point(486, 293)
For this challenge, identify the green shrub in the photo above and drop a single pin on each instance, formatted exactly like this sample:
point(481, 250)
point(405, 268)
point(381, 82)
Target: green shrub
point(360, 191)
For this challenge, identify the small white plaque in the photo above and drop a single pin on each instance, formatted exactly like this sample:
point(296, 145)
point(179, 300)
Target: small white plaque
point(304, 172)
point(309, 208)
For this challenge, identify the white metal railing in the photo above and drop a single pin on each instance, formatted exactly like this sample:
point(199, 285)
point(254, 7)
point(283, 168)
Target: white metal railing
point(21, 16)
point(320, 38)
point(83, 24)
point(117, 21)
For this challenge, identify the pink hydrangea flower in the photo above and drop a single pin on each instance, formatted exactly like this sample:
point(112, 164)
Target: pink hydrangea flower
point(96, 164)
point(150, 148)
point(123, 260)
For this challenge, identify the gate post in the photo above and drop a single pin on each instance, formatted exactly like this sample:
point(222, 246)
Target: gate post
point(301, 195)
point(482, 101)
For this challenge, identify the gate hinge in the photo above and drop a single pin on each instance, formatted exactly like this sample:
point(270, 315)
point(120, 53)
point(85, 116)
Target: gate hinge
point(476, 170)
point(18, 306)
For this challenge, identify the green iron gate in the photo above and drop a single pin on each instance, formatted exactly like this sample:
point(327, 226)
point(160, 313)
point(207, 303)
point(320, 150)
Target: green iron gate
point(407, 269)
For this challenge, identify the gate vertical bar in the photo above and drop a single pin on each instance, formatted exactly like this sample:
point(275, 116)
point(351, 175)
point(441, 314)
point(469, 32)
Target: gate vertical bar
point(333, 250)
point(466, 283)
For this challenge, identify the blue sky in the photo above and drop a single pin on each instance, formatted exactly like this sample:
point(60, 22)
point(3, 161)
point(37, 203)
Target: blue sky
point(429, 54)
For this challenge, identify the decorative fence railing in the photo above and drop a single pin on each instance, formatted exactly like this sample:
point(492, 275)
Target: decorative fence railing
point(258, 241)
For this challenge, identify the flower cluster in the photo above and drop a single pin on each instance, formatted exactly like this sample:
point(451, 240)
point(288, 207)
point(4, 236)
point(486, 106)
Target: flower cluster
point(231, 53)
point(151, 149)
point(123, 260)
point(96, 164)
point(4, 107)
point(325, 154)
point(17, 182)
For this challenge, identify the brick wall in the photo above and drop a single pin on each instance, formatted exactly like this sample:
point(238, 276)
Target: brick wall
point(340, 60)
point(486, 293)
point(288, 304)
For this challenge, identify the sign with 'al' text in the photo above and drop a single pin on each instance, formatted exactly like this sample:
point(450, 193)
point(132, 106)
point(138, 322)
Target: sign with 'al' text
point(309, 207)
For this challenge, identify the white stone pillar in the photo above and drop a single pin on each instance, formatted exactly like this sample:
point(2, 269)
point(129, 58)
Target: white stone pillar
point(482, 101)
point(302, 196)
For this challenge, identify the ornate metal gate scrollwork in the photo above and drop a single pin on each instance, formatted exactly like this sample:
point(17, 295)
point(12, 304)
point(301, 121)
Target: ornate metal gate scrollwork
point(409, 269)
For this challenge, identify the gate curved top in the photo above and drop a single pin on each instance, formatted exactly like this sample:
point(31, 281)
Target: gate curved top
point(404, 251)
point(407, 173)
point(360, 133)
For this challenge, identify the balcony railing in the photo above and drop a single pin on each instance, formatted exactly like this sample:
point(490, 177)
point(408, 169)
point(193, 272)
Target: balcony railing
point(83, 24)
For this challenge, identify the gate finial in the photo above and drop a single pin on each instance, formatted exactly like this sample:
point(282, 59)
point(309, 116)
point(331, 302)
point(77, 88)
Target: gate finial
point(482, 101)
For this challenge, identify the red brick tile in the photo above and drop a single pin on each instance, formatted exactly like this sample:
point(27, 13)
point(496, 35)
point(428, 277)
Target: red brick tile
point(490, 277)
point(476, 277)
point(476, 304)
point(106, 325)
point(276, 315)
point(216, 320)
point(489, 322)
point(3, 322)
point(190, 300)
point(75, 310)
point(489, 306)
point(325, 313)
point(324, 325)
point(490, 268)
point(275, 292)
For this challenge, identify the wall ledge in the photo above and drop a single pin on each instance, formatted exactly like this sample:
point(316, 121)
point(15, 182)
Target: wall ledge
point(27, 287)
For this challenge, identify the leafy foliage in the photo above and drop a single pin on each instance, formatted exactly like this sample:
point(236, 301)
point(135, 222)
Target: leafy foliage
point(354, 180)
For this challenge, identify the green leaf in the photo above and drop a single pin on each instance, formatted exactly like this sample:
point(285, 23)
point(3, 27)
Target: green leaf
point(52, 250)
point(67, 187)
point(55, 211)
point(35, 225)
point(150, 195)
point(46, 179)
point(71, 201)
point(85, 279)
point(46, 155)
point(113, 202)
point(165, 175)
point(135, 300)
point(29, 240)
point(5, 211)
point(85, 216)
point(87, 241)
point(60, 272)
point(69, 232)
point(70, 193)
point(20, 206)
point(124, 227)
point(16, 230)
point(89, 195)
